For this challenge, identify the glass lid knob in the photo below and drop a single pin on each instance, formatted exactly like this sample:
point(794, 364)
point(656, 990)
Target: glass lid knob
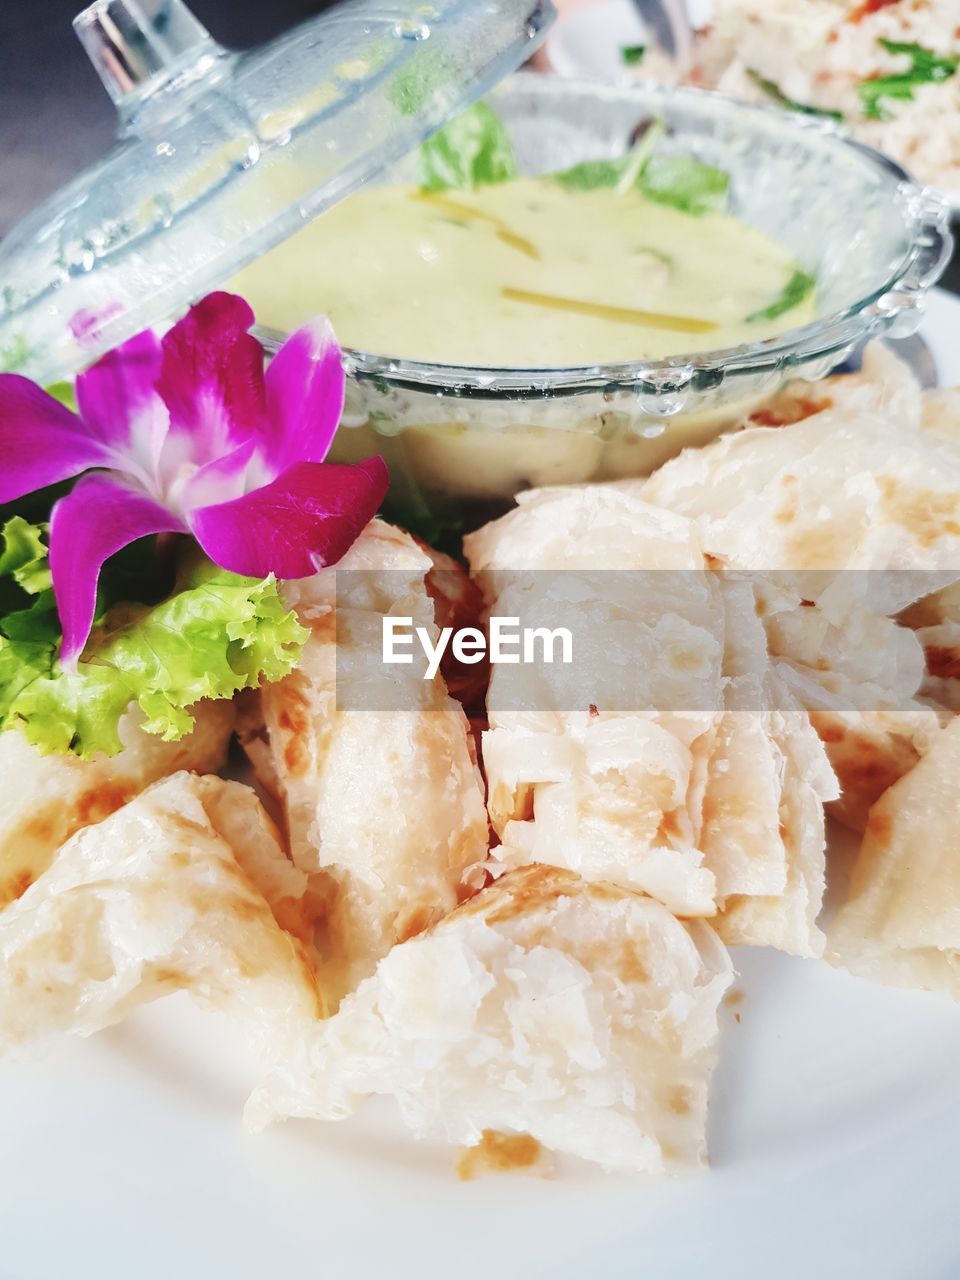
point(141, 46)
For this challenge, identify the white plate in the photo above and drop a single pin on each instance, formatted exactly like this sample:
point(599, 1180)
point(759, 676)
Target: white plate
point(587, 45)
point(834, 1132)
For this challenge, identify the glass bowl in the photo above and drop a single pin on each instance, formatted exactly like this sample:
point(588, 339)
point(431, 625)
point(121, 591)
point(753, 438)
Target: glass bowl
point(461, 442)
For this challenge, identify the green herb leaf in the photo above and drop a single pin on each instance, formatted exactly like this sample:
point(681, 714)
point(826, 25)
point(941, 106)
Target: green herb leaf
point(591, 174)
point(926, 67)
point(215, 634)
point(631, 55)
point(471, 151)
point(678, 180)
point(776, 94)
point(799, 287)
point(685, 183)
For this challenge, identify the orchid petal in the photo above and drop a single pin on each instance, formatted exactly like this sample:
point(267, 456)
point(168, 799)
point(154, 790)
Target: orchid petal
point(219, 481)
point(211, 379)
point(307, 518)
point(305, 390)
point(119, 404)
point(41, 441)
point(98, 518)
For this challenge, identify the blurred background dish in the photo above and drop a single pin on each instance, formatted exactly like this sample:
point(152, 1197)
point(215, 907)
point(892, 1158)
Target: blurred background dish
point(887, 66)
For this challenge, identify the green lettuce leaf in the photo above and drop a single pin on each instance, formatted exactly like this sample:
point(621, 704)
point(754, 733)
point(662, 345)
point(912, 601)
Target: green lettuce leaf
point(631, 55)
point(24, 555)
point(473, 150)
point(926, 67)
point(215, 634)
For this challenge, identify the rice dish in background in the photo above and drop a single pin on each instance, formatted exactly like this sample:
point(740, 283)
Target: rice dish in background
point(886, 69)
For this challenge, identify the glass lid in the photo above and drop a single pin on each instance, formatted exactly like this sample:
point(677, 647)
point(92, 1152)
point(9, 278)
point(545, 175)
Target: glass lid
point(222, 155)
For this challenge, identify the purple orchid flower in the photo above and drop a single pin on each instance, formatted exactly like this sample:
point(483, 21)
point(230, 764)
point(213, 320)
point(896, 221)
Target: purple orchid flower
point(187, 434)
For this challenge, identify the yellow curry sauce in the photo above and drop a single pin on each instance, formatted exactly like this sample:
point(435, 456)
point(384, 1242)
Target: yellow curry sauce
point(526, 273)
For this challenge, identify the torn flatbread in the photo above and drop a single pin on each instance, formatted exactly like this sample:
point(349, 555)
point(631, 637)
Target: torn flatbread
point(864, 484)
point(593, 769)
point(582, 1015)
point(855, 511)
point(935, 621)
point(901, 922)
point(383, 801)
point(153, 900)
point(861, 676)
point(768, 780)
point(44, 799)
point(706, 789)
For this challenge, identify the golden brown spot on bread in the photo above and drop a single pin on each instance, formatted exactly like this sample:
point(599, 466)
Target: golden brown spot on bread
point(734, 998)
point(818, 547)
point(631, 967)
point(102, 800)
point(943, 662)
point(293, 719)
point(832, 733)
point(15, 887)
point(879, 827)
point(680, 1101)
point(788, 512)
point(499, 1153)
point(927, 514)
point(296, 916)
point(522, 891)
point(414, 920)
point(670, 826)
point(171, 978)
point(42, 829)
point(869, 769)
point(792, 409)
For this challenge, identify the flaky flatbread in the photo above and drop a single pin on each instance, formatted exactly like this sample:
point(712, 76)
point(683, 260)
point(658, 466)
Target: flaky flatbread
point(582, 1015)
point(854, 509)
point(862, 485)
point(935, 620)
point(768, 781)
point(44, 799)
point(706, 791)
point(901, 923)
point(383, 801)
point(152, 900)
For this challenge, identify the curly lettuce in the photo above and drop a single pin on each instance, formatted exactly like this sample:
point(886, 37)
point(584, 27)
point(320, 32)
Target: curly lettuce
point(215, 634)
